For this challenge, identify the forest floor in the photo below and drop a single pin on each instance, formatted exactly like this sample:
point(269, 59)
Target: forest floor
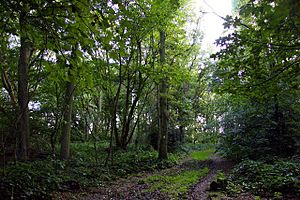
point(134, 187)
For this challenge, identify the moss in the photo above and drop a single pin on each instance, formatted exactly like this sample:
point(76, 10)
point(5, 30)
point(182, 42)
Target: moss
point(202, 155)
point(216, 195)
point(176, 185)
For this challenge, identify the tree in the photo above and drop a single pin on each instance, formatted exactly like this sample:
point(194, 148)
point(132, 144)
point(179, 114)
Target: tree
point(126, 55)
point(25, 56)
point(67, 112)
point(163, 105)
point(163, 84)
point(39, 26)
point(259, 61)
point(20, 16)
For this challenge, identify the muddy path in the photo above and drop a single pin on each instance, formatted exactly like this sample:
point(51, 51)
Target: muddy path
point(132, 188)
point(200, 190)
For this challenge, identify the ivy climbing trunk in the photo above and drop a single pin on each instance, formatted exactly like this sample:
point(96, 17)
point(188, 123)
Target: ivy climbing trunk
point(23, 97)
point(162, 104)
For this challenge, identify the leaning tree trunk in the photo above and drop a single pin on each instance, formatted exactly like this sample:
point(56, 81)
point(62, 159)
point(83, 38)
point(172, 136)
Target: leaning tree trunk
point(163, 116)
point(23, 97)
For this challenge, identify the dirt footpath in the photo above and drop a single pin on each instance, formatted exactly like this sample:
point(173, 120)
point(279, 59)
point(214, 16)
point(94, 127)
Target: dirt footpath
point(131, 188)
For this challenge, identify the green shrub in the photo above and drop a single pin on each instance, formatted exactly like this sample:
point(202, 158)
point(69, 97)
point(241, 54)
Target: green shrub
point(279, 177)
point(139, 159)
point(29, 181)
point(256, 130)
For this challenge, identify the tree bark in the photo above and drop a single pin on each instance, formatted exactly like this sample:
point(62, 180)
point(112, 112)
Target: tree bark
point(67, 118)
point(163, 108)
point(114, 128)
point(67, 115)
point(23, 97)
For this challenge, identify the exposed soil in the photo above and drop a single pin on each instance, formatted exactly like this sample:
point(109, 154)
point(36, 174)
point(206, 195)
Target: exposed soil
point(200, 190)
point(131, 188)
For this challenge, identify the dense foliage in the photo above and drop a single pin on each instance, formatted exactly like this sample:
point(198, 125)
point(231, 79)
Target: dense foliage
point(96, 90)
point(280, 177)
point(257, 73)
point(38, 179)
point(92, 72)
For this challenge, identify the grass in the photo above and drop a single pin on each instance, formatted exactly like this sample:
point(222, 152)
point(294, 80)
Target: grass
point(177, 185)
point(216, 195)
point(202, 155)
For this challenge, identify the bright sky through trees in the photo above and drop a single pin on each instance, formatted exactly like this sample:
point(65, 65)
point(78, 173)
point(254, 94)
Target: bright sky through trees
point(211, 24)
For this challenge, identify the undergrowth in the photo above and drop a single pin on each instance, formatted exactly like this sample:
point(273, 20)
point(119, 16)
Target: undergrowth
point(38, 179)
point(279, 179)
point(268, 179)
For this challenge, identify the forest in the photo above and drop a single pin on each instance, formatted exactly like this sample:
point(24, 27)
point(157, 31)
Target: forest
point(119, 99)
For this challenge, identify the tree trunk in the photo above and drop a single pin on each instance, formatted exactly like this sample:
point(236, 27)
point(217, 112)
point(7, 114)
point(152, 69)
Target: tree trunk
point(67, 118)
point(67, 115)
point(163, 108)
point(113, 121)
point(23, 97)
point(114, 129)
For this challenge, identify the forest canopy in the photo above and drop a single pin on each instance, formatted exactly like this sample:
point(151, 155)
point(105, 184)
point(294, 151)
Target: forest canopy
point(94, 70)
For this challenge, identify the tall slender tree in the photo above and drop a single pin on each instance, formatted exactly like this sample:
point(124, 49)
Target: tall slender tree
point(23, 99)
point(67, 112)
point(163, 103)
